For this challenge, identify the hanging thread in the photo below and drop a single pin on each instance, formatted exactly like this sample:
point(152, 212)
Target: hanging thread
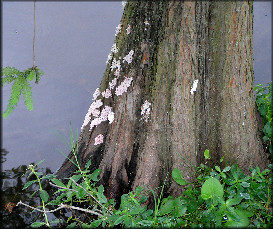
point(34, 36)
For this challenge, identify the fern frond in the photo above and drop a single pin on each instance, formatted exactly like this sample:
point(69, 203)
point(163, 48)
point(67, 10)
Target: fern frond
point(9, 74)
point(15, 96)
point(26, 90)
point(7, 80)
point(10, 71)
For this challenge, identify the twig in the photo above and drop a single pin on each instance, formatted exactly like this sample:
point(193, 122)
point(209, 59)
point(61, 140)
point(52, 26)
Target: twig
point(91, 195)
point(60, 207)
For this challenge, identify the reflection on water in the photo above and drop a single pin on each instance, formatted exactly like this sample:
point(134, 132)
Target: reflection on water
point(12, 183)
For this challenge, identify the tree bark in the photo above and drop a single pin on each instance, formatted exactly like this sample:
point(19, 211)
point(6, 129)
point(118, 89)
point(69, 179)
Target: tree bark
point(174, 44)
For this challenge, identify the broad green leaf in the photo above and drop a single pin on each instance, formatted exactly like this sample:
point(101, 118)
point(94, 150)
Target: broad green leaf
point(101, 196)
point(236, 200)
point(206, 154)
point(136, 210)
point(76, 177)
point(120, 219)
point(217, 168)
point(57, 182)
point(95, 174)
point(245, 184)
point(177, 176)
point(28, 184)
point(37, 224)
point(81, 193)
point(166, 207)
point(44, 195)
point(212, 188)
point(243, 220)
point(96, 223)
point(179, 207)
point(222, 159)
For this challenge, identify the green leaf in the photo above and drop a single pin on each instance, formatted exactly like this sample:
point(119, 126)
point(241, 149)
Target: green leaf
point(236, 200)
point(222, 159)
point(212, 188)
point(206, 154)
point(166, 207)
point(243, 220)
point(217, 168)
point(28, 184)
point(268, 130)
point(96, 223)
point(95, 174)
point(101, 197)
point(245, 184)
point(15, 96)
point(177, 176)
point(81, 193)
point(76, 177)
point(145, 223)
point(88, 164)
point(226, 169)
point(27, 93)
point(49, 176)
point(37, 224)
point(57, 182)
point(9, 74)
point(179, 207)
point(69, 195)
point(40, 162)
point(138, 190)
point(72, 225)
point(39, 174)
point(34, 193)
point(245, 196)
point(119, 220)
point(44, 195)
point(56, 221)
point(31, 75)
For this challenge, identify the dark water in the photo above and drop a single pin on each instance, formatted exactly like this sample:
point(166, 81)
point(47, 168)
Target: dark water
point(72, 43)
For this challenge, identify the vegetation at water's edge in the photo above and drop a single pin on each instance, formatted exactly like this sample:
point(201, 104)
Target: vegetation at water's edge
point(264, 103)
point(20, 86)
point(217, 198)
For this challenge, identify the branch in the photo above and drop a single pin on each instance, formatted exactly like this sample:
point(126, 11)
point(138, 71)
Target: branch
point(60, 207)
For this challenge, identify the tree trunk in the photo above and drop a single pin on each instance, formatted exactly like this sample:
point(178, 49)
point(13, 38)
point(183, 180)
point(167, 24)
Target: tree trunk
point(174, 44)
